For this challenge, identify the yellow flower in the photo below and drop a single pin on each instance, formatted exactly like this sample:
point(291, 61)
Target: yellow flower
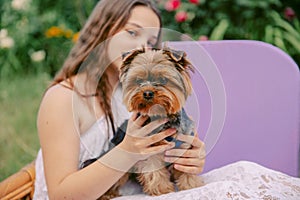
point(75, 37)
point(54, 31)
point(68, 33)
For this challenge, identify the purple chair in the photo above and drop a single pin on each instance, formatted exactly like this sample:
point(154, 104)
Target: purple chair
point(246, 103)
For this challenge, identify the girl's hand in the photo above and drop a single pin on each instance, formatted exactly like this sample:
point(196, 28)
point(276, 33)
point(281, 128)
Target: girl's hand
point(189, 160)
point(137, 142)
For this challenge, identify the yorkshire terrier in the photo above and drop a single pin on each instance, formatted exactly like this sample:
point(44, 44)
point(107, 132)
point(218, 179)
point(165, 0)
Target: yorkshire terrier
point(156, 83)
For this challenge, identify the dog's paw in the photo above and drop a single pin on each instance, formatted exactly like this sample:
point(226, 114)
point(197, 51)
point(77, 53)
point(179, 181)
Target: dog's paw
point(189, 181)
point(156, 182)
point(162, 187)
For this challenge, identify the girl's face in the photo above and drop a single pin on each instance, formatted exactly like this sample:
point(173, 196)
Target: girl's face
point(141, 30)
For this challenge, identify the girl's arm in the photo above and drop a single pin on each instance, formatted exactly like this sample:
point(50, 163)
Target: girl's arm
point(58, 127)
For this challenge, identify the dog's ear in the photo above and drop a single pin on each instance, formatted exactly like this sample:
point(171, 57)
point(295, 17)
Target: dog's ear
point(183, 65)
point(127, 58)
point(125, 55)
point(176, 55)
point(180, 60)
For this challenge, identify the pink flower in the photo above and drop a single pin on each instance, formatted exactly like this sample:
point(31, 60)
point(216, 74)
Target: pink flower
point(289, 13)
point(172, 5)
point(181, 16)
point(194, 1)
point(203, 38)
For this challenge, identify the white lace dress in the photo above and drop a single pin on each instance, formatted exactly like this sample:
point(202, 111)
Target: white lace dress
point(241, 180)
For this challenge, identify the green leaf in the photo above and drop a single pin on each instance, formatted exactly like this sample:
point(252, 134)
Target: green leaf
point(220, 30)
point(269, 34)
point(285, 25)
point(292, 40)
point(278, 39)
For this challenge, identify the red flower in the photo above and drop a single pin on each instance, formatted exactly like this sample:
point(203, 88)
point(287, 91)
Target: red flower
point(289, 13)
point(172, 5)
point(203, 38)
point(181, 16)
point(194, 1)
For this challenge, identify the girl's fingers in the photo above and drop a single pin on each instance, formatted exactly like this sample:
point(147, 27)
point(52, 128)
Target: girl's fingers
point(141, 120)
point(158, 149)
point(190, 139)
point(145, 130)
point(190, 153)
point(188, 169)
point(160, 136)
point(187, 153)
point(134, 116)
point(185, 161)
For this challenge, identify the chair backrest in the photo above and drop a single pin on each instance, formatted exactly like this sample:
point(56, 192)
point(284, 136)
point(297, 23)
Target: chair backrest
point(247, 94)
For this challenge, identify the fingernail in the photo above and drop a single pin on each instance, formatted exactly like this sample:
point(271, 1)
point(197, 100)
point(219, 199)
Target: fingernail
point(172, 144)
point(166, 120)
point(173, 130)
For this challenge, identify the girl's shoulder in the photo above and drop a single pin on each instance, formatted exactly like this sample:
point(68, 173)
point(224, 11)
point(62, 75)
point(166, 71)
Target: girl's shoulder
point(56, 102)
point(58, 94)
point(62, 100)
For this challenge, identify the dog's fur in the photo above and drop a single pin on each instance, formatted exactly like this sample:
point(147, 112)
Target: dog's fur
point(157, 83)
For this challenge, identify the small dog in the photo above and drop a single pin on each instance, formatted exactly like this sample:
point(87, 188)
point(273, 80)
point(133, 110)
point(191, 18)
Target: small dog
point(156, 83)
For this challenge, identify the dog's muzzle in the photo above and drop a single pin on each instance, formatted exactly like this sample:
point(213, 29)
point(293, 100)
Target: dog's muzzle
point(148, 94)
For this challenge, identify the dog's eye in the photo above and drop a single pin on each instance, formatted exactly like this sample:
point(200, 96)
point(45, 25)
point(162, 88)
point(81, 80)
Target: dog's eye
point(138, 81)
point(163, 80)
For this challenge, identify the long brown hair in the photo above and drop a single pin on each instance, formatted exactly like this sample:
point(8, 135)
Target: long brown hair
point(107, 18)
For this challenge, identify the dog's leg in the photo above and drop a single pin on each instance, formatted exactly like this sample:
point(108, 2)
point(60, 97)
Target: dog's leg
point(186, 181)
point(157, 182)
point(154, 176)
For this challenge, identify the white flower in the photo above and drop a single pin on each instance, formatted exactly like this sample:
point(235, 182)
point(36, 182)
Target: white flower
point(3, 33)
point(6, 42)
point(38, 56)
point(20, 4)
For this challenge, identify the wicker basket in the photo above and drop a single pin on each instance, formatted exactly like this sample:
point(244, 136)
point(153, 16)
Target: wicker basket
point(19, 185)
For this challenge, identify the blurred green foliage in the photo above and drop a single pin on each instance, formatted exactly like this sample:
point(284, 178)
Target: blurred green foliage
point(271, 21)
point(36, 35)
point(19, 105)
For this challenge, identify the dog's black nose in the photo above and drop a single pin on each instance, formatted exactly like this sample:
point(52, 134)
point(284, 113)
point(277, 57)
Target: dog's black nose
point(148, 94)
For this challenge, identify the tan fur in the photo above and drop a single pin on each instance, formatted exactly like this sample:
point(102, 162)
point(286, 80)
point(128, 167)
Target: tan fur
point(113, 192)
point(186, 181)
point(159, 65)
point(165, 73)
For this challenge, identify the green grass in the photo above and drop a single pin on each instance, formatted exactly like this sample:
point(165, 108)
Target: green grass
point(19, 101)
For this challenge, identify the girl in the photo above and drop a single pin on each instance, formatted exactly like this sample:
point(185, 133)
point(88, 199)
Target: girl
point(76, 119)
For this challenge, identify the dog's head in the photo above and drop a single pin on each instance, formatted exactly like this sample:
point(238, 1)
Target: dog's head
point(155, 82)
